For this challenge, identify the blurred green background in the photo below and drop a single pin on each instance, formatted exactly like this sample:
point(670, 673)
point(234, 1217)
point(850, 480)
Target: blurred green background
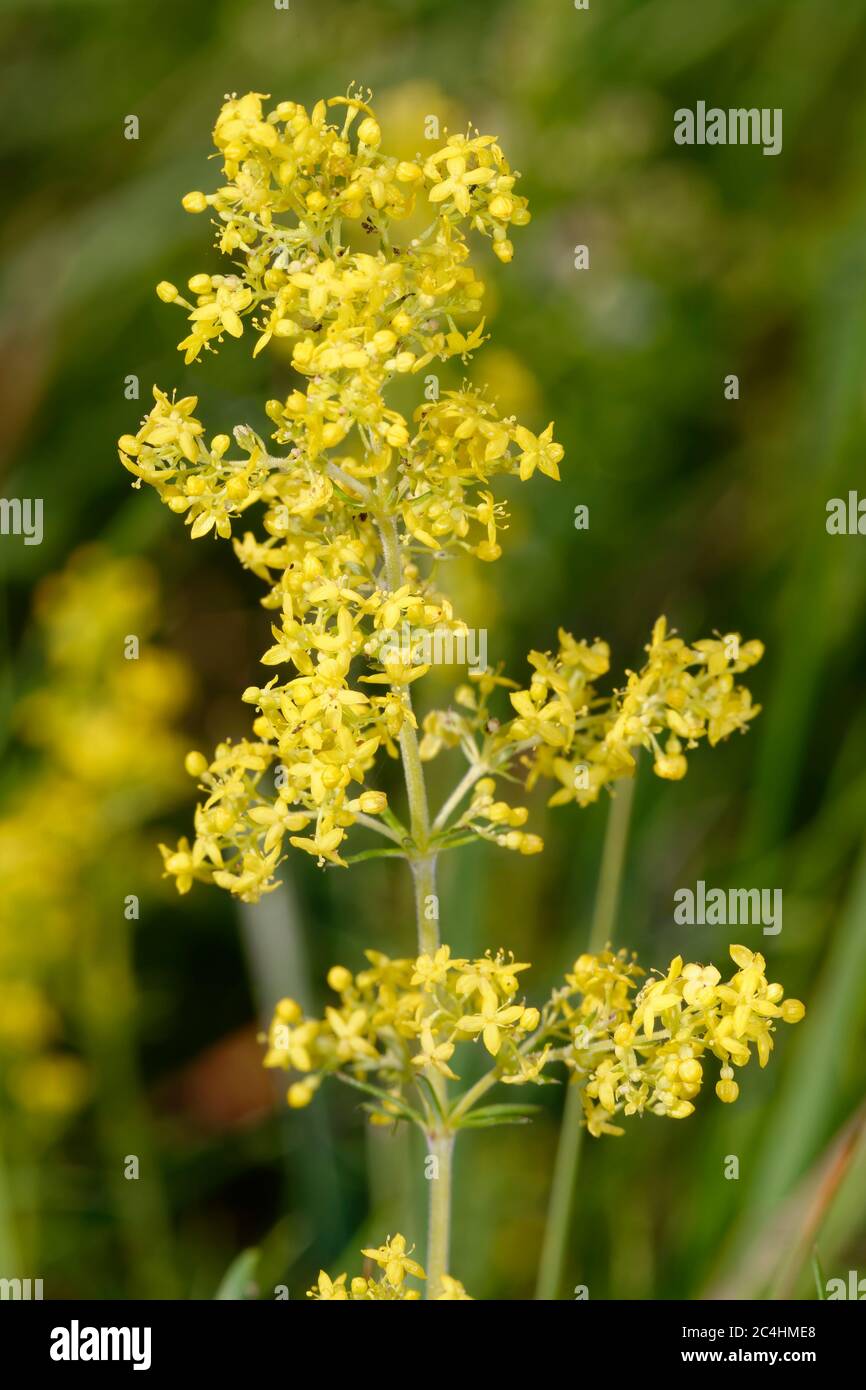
point(138, 1037)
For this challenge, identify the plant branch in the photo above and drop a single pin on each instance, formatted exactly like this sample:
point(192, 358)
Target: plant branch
point(470, 777)
point(559, 1212)
point(372, 823)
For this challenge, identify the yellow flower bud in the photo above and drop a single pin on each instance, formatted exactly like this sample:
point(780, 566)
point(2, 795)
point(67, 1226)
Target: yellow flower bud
point(196, 764)
point(487, 551)
point(384, 340)
point(793, 1010)
point(369, 132)
point(299, 1094)
point(288, 1011)
point(530, 844)
point(339, 978)
point(682, 1110)
point(671, 767)
point(727, 1091)
point(265, 134)
point(167, 291)
point(691, 1071)
point(397, 435)
point(194, 202)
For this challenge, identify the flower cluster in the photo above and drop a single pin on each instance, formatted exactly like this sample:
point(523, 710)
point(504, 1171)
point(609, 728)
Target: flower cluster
point(357, 500)
point(398, 1025)
point(563, 730)
point(392, 1285)
point(401, 1021)
point(647, 1054)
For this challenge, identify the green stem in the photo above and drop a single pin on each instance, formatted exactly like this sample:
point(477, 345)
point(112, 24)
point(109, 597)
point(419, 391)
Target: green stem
point(372, 824)
point(413, 769)
point(426, 903)
point(612, 865)
point(441, 1147)
point(561, 1204)
point(561, 1195)
point(468, 780)
point(423, 865)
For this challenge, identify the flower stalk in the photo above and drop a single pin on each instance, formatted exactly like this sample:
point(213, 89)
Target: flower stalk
point(441, 1149)
point(557, 1227)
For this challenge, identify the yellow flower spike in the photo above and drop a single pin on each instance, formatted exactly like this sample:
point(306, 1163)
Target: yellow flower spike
point(343, 513)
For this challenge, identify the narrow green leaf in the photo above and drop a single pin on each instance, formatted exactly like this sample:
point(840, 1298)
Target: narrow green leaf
point(395, 1102)
point(237, 1282)
point(473, 1121)
point(430, 1092)
point(524, 1111)
point(375, 854)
